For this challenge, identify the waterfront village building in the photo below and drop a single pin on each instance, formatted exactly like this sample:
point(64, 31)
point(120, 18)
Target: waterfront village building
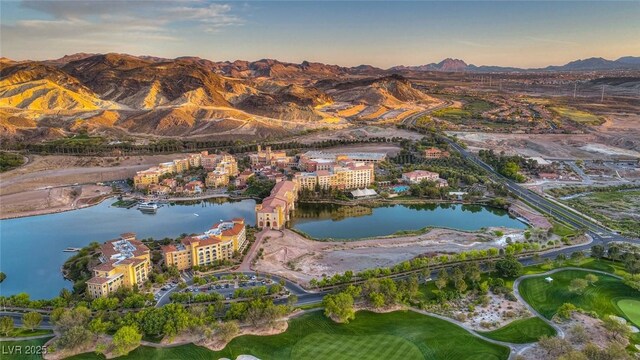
point(124, 262)
point(435, 153)
point(216, 179)
point(193, 187)
point(344, 175)
point(160, 190)
point(275, 210)
point(217, 243)
point(241, 180)
point(223, 162)
point(269, 157)
point(418, 176)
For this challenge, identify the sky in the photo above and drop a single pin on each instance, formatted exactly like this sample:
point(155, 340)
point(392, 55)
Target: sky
point(349, 33)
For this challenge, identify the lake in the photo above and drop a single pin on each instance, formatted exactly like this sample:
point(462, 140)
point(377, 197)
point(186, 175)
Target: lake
point(31, 248)
point(322, 221)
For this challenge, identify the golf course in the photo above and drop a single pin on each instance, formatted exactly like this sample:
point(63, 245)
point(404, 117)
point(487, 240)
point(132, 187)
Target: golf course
point(604, 297)
point(522, 331)
point(397, 335)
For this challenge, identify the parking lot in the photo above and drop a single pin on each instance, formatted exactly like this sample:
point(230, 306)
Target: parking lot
point(225, 285)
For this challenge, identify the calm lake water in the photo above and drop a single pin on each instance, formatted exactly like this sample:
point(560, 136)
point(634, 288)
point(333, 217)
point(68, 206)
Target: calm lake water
point(353, 222)
point(31, 248)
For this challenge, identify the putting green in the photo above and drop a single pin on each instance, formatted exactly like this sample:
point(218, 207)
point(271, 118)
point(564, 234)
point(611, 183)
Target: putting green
point(355, 347)
point(631, 308)
point(601, 297)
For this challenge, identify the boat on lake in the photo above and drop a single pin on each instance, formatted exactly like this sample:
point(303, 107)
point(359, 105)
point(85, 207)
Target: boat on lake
point(148, 206)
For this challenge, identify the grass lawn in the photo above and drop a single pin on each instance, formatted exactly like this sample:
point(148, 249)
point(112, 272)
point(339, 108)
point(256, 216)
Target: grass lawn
point(398, 335)
point(7, 346)
point(601, 297)
point(631, 308)
point(522, 331)
point(578, 116)
point(190, 351)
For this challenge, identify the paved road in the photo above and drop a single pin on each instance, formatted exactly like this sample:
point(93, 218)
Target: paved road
point(17, 319)
point(596, 231)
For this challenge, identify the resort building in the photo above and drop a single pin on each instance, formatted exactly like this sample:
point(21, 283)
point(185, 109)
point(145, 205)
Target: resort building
point(275, 210)
point(418, 176)
point(218, 243)
point(124, 262)
point(342, 176)
point(435, 153)
point(268, 157)
point(372, 158)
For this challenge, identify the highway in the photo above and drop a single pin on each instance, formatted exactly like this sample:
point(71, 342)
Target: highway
point(596, 231)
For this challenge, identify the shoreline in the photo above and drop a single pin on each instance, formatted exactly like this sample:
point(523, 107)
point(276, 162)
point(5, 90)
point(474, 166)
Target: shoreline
point(101, 199)
point(52, 211)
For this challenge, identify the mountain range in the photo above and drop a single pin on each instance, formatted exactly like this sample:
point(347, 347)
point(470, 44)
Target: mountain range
point(146, 96)
point(590, 64)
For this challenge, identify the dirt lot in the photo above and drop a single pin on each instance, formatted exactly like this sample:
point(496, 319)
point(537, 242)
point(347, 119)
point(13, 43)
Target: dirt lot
point(46, 183)
point(550, 146)
point(595, 333)
point(288, 254)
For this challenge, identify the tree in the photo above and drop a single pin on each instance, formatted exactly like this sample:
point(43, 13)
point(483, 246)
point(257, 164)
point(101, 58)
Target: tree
point(99, 327)
point(461, 286)
point(2, 276)
point(578, 285)
point(591, 279)
point(442, 280)
point(616, 327)
point(597, 251)
point(578, 334)
point(227, 330)
point(339, 307)
point(6, 325)
point(508, 267)
point(31, 320)
point(613, 252)
point(554, 346)
point(126, 339)
point(565, 310)
point(377, 300)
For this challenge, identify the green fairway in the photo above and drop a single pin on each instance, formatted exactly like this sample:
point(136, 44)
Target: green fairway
point(631, 308)
point(600, 297)
point(396, 335)
point(522, 331)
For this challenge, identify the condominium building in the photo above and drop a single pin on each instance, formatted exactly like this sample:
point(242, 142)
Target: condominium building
point(124, 262)
point(275, 210)
point(217, 243)
point(216, 162)
point(216, 179)
point(343, 176)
